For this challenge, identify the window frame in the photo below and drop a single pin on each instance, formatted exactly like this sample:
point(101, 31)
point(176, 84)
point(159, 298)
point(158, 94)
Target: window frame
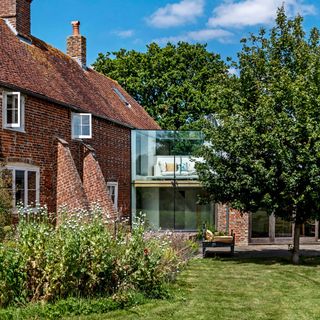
point(19, 126)
point(81, 136)
point(115, 185)
point(26, 168)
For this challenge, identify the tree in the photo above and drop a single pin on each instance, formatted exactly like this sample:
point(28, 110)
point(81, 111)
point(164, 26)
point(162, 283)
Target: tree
point(172, 83)
point(266, 151)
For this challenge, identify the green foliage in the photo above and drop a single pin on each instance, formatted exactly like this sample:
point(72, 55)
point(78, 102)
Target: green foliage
point(266, 151)
point(82, 257)
point(73, 307)
point(5, 203)
point(172, 82)
point(12, 276)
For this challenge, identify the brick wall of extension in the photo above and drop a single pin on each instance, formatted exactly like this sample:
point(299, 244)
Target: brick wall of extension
point(38, 145)
point(235, 221)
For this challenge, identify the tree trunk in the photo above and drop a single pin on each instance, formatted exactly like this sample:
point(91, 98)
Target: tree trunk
point(296, 244)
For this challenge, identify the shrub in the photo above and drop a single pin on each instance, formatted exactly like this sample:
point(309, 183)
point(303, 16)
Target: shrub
point(82, 257)
point(5, 203)
point(12, 276)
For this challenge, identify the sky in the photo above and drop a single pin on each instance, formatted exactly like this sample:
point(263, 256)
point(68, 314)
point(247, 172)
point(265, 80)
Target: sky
point(110, 25)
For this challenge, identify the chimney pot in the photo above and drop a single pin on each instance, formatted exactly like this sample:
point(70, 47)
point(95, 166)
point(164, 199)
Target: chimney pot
point(76, 28)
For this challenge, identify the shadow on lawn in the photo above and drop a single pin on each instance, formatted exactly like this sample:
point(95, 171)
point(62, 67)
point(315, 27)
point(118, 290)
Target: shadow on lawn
point(268, 257)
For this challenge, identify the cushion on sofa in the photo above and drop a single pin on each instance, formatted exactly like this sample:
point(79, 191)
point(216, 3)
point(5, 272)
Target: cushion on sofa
point(162, 166)
point(191, 167)
point(184, 166)
point(171, 167)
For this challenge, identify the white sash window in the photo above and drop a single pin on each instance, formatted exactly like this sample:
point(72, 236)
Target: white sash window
point(81, 126)
point(13, 111)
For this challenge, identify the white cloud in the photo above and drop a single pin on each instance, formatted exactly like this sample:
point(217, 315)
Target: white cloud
point(124, 33)
point(198, 36)
point(233, 71)
point(209, 34)
point(177, 14)
point(173, 39)
point(243, 13)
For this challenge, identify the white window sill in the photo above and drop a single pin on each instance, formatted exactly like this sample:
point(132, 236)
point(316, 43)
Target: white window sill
point(81, 137)
point(15, 129)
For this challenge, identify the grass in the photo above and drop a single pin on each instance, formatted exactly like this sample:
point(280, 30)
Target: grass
point(253, 289)
point(235, 289)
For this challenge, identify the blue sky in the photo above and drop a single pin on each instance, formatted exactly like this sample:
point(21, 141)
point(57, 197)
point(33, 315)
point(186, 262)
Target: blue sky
point(132, 24)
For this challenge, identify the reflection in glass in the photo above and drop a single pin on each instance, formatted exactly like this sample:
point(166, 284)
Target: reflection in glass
point(260, 224)
point(282, 228)
point(12, 109)
point(308, 229)
point(32, 189)
point(163, 155)
point(19, 181)
point(167, 208)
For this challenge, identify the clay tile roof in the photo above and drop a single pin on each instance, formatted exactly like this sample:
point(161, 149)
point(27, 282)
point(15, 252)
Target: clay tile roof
point(46, 71)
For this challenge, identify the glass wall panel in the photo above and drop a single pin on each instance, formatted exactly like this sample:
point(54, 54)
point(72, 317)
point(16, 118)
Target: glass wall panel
point(164, 155)
point(163, 167)
point(260, 224)
point(195, 214)
point(166, 208)
point(282, 228)
point(308, 229)
point(264, 226)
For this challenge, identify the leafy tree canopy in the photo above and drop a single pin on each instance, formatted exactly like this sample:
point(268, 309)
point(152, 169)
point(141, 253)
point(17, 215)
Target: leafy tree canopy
point(266, 151)
point(172, 82)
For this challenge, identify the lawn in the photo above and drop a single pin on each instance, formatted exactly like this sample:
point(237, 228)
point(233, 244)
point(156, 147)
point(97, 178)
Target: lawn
point(236, 289)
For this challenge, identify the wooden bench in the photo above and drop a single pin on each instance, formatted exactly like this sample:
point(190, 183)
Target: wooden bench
point(217, 242)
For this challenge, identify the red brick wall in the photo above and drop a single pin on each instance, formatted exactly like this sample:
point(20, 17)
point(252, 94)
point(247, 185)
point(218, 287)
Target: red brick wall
point(237, 222)
point(18, 13)
point(44, 122)
point(95, 186)
point(112, 144)
point(70, 191)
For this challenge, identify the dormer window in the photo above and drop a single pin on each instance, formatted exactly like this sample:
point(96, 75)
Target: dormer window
point(81, 126)
point(13, 111)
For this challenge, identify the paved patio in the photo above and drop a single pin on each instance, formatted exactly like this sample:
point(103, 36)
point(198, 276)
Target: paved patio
point(267, 251)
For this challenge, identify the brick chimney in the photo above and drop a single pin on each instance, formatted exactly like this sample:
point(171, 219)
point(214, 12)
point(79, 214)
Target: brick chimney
point(17, 13)
point(77, 45)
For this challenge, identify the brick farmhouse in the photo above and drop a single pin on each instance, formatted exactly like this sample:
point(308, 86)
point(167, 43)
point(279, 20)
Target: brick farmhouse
point(66, 139)
point(66, 129)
